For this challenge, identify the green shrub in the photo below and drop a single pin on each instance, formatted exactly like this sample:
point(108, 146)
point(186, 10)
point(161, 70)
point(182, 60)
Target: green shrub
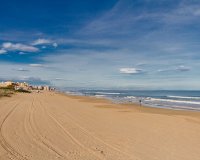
point(5, 92)
point(23, 91)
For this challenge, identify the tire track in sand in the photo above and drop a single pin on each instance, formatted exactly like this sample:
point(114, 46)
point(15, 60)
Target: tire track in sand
point(31, 130)
point(75, 140)
point(3, 141)
point(100, 141)
point(88, 134)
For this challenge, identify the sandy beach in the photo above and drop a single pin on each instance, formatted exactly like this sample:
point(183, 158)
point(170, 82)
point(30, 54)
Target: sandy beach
point(49, 126)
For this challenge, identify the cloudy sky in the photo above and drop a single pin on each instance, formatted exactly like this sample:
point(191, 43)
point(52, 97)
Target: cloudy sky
point(130, 44)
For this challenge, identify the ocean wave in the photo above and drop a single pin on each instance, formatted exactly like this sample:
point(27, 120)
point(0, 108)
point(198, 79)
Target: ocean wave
point(185, 108)
point(183, 97)
point(130, 97)
point(74, 93)
point(100, 95)
point(108, 93)
point(173, 101)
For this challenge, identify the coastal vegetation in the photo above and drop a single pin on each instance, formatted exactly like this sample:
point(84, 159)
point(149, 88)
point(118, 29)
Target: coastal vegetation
point(8, 91)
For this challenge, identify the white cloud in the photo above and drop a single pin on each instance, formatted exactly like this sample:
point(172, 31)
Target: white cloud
point(197, 12)
point(36, 65)
point(22, 69)
point(163, 70)
point(55, 45)
point(59, 79)
point(8, 46)
point(180, 68)
point(33, 80)
point(44, 42)
point(41, 41)
point(3, 51)
point(189, 10)
point(183, 68)
point(130, 70)
point(21, 53)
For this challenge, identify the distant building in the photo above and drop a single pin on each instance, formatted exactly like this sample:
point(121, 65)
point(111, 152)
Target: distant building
point(2, 84)
point(47, 88)
point(40, 87)
point(7, 84)
point(24, 86)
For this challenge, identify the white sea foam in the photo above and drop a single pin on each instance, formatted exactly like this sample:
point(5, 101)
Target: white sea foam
point(130, 97)
point(108, 93)
point(99, 95)
point(172, 101)
point(183, 97)
point(74, 93)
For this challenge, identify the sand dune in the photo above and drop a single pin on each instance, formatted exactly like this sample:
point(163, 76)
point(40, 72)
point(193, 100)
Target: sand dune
point(49, 126)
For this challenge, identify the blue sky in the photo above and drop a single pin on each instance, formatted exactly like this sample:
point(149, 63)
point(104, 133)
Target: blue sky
point(122, 44)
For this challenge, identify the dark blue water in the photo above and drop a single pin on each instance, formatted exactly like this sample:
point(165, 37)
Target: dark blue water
point(188, 100)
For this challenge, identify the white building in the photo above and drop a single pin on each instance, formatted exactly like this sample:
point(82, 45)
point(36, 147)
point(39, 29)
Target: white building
point(47, 88)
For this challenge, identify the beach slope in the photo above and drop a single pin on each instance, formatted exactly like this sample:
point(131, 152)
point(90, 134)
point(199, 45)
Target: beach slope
point(50, 126)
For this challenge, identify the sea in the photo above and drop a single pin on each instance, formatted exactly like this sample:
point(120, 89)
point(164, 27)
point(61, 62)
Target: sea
point(171, 99)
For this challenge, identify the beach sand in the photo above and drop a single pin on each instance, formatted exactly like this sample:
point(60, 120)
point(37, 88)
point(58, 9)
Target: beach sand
point(50, 126)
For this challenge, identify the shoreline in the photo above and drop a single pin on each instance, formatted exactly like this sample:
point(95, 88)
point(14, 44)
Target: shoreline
point(135, 106)
point(131, 104)
point(160, 100)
